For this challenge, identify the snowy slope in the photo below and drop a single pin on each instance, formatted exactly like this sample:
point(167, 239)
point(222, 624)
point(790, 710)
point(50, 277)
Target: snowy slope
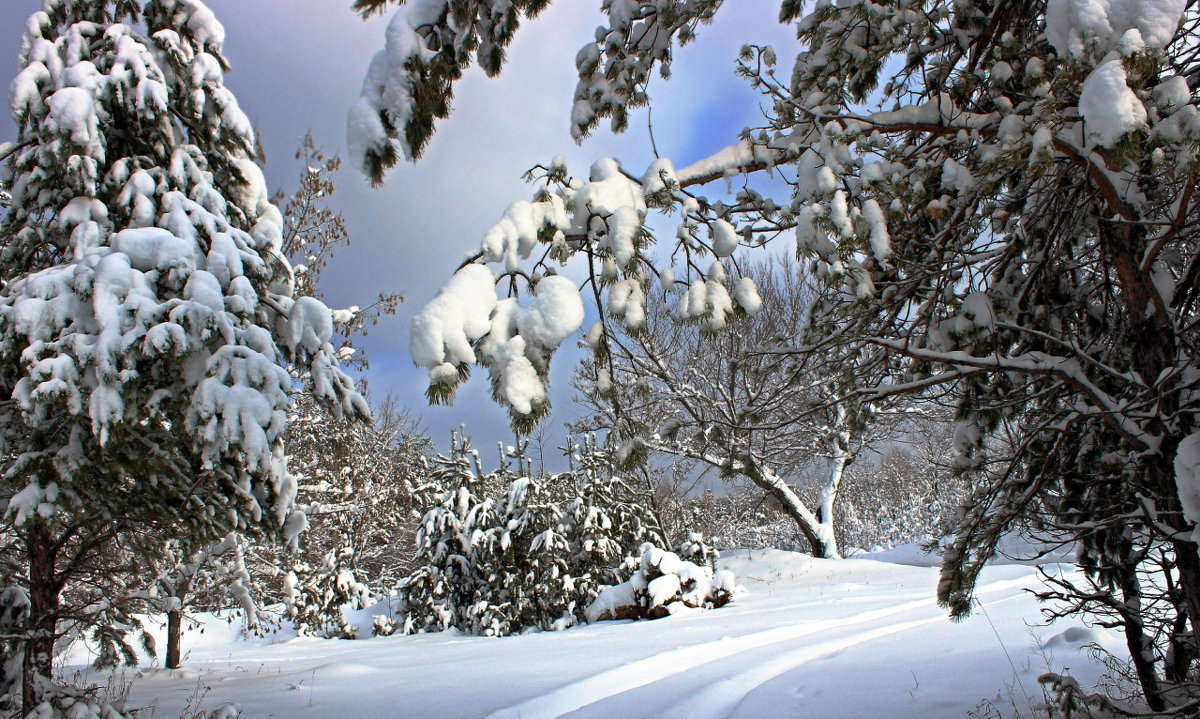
point(820, 638)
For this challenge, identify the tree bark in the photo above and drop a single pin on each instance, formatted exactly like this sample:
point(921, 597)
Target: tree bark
point(1153, 346)
point(175, 622)
point(44, 594)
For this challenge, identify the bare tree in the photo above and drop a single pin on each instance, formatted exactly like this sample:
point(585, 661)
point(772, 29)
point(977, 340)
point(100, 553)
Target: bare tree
point(726, 401)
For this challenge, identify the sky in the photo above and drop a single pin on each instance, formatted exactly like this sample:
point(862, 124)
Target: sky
point(297, 65)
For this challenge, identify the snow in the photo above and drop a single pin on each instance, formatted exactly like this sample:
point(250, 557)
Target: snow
point(745, 293)
point(73, 112)
point(204, 26)
point(555, 315)
point(881, 241)
point(724, 238)
point(1187, 479)
point(608, 192)
point(516, 234)
point(627, 301)
point(442, 332)
point(1075, 26)
point(609, 600)
point(1109, 108)
point(521, 339)
point(855, 638)
point(659, 178)
point(727, 161)
point(387, 88)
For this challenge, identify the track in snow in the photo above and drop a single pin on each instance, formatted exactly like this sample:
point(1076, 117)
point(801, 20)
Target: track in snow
point(720, 699)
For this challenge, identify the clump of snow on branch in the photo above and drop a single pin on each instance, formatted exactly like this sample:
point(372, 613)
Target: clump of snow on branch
point(1074, 27)
point(385, 103)
point(514, 341)
point(1109, 108)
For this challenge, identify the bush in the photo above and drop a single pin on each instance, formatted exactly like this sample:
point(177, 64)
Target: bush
point(503, 552)
point(662, 584)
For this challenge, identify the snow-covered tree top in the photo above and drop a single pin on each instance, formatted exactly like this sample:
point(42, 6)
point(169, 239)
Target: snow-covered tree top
point(147, 312)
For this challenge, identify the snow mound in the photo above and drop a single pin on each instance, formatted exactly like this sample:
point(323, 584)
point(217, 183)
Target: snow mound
point(662, 585)
point(1077, 637)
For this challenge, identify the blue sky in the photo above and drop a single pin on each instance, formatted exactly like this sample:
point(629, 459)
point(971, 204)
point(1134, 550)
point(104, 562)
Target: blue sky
point(297, 66)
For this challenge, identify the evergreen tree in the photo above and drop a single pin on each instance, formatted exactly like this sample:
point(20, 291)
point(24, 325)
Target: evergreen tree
point(506, 551)
point(318, 594)
point(147, 313)
point(607, 520)
point(444, 583)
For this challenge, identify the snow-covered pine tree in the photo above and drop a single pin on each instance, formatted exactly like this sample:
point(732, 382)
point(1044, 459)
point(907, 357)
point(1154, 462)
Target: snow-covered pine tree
point(352, 476)
point(318, 594)
point(147, 313)
point(411, 82)
point(437, 594)
point(607, 521)
point(14, 608)
point(522, 557)
point(531, 553)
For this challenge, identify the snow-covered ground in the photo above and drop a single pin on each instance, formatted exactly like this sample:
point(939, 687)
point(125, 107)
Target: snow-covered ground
point(821, 638)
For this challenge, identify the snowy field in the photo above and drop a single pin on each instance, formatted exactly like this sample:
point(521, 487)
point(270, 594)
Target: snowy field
point(808, 638)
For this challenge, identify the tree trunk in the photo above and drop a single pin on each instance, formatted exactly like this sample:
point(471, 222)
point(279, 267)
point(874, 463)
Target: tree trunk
point(1140, 645)
point(44, 589)
point(839, 459)
point(174, 629)
point(820, 542)
point(175, 622)
point(1154, 346)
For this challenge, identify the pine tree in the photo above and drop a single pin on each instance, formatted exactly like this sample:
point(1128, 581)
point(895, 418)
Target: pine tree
point(147, 314)
point(506, 551)
point(444, 584)
point(317, 595)
point(607, 521)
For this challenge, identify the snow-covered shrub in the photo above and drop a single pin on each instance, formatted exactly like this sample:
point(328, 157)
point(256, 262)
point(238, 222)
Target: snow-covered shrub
point(695, 549)
point(503, 551)
point(318, 595)
point(383, 626)
point(662, 584)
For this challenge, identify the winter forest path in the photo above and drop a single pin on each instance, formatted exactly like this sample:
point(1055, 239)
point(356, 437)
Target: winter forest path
point(819, 638)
